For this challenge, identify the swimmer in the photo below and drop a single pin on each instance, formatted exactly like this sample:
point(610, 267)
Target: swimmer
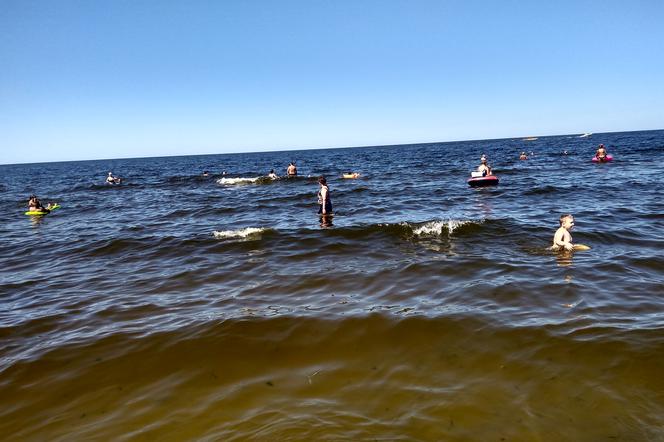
point(523, 156)
point(291, 170)
point(110, 179)
point(206, 173)
point(562, 238)
point(350, 175)
point(484, 168)
point(272, 175)
point(324, 201)
point(34, 205)
point(601, 152)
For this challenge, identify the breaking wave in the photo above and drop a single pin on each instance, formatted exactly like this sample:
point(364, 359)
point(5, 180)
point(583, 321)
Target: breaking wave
point(247, 233)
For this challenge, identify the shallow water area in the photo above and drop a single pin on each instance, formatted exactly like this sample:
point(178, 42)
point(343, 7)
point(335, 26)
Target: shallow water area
point(179, 307)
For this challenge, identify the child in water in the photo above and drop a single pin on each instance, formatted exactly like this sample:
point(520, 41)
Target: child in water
point(562, 238)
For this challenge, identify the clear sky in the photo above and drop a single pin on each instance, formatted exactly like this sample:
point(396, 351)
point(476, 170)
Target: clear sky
point(129, 78)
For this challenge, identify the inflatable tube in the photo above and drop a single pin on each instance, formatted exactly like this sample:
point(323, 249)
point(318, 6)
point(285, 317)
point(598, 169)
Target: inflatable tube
point(575, 247)
point(605, 160)
point(490, 180)
point(42, 212)
point(350, 176)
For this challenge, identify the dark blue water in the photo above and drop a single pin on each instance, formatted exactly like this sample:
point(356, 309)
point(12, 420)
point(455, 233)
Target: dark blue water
point(164, 265)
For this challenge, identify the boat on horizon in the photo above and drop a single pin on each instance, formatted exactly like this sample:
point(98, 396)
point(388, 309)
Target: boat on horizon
point(530, 139)
point(586, 135)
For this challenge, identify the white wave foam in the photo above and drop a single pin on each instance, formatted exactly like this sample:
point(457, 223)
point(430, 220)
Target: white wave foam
point(436, 227)
point(249, 232)
point(241, 180)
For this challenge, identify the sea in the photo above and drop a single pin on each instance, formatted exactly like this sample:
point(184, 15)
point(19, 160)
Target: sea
point(178, 306)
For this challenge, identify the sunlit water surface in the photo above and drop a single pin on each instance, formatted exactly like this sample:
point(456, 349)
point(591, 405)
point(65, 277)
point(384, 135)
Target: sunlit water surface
point(177, 306)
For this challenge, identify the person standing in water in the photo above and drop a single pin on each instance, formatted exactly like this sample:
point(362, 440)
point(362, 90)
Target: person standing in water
point(291, 170)
point(562, 239)
point(324, 201)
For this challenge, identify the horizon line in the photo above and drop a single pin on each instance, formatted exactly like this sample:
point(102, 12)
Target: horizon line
point(327, 148)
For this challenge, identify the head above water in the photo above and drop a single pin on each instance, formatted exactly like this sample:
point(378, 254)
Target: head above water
point(483, 159)
point(322, 181)
point(567, 221)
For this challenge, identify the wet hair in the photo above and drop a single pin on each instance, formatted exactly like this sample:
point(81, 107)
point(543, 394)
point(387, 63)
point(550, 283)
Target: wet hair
point(322, 180)
point(271, 170)
point(563, 217)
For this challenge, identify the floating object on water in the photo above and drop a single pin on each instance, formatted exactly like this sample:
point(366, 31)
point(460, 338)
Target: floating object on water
point(575, 247)
point(530, 139)
point(350, 176)
point(42, 212)
point(586, 135)
point(606, 159)
point(482, 181)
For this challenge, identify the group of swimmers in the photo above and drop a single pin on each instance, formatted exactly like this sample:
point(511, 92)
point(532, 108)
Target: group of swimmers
point(34, 205)
point(562, 239)
point(291, 172)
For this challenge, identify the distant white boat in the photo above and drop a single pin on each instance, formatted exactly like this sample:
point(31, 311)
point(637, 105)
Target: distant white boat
point(586, 135)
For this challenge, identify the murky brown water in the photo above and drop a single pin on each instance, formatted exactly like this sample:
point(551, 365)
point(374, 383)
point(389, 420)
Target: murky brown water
point(355, 379)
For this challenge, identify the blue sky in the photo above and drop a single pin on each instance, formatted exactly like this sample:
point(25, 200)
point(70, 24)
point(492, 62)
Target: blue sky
point(113, 79)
